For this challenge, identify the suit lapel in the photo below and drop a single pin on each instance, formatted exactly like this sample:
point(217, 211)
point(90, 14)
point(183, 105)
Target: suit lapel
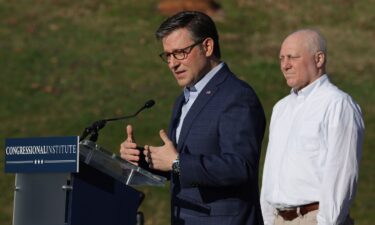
point(204, 96)
point(176, 117)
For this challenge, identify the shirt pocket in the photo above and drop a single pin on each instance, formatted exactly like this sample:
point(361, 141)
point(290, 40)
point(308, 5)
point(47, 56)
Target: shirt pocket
point(309, 137)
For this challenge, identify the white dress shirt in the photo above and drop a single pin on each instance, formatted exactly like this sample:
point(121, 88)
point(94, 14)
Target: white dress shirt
point(313, 152)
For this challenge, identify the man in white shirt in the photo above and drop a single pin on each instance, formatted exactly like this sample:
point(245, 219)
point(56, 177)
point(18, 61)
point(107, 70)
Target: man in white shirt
point(315, 142)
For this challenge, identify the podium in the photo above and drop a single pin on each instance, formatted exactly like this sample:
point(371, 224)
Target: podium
point(101, 193)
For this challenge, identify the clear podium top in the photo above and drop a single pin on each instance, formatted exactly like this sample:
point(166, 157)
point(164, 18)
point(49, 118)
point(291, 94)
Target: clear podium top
point(111, 164)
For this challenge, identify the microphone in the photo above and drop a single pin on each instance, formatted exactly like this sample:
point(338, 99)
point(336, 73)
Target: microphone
point(147, 105)
point(97, 125)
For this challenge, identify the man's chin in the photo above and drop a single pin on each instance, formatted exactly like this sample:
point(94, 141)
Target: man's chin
point(291, 84)
point(181, 83)
point(290, 81)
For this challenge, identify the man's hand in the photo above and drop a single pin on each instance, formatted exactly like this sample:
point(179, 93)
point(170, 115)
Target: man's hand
point(128, 148)
point(161, 158)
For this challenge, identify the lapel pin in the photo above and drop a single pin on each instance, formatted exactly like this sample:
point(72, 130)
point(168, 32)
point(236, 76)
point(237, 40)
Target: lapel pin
point(208, 92)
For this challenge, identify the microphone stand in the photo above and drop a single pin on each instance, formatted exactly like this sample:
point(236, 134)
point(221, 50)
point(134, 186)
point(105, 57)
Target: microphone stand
point(98, 125)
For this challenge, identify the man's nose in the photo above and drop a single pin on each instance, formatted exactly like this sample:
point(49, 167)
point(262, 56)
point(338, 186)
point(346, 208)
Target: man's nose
point(172, 62)
point(285, 64)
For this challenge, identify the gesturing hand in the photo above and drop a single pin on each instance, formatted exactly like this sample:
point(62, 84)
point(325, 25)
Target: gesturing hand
point(161, 158)
point(128, 148)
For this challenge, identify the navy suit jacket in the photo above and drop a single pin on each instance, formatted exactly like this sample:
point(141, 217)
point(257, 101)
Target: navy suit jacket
point(219, 149)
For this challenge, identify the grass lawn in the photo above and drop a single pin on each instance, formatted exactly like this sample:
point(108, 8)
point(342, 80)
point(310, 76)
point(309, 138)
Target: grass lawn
point(65, 64)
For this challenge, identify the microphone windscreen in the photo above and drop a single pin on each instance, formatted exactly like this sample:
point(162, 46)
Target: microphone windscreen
point(149, 103)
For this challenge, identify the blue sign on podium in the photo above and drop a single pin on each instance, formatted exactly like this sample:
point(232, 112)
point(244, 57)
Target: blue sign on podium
point(42, 154)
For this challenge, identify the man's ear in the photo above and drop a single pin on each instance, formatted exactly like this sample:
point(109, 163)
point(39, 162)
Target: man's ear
point(208, 46)
point(320, 59)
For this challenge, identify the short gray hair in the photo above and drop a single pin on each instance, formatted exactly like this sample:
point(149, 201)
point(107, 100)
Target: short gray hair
point(315, 40)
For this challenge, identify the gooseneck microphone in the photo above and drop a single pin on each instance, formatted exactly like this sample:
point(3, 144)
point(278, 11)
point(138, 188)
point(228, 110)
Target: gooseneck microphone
point(97, 125)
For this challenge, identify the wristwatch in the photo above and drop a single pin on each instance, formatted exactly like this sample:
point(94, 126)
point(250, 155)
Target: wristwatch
point(176, 166)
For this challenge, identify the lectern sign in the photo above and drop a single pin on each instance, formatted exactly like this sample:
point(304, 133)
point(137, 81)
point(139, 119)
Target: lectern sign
point(42, 154)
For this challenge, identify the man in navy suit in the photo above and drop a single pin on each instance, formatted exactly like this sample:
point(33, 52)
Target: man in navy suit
point(213, 145)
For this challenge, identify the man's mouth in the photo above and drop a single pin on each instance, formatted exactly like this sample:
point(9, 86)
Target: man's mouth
point(288, 75)
point(179, 73)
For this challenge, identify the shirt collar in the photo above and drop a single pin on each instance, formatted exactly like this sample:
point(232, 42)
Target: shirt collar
point(202, 82)
point(304, 92)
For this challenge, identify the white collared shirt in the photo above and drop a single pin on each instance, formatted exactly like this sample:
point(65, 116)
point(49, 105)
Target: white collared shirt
point(193, 94)
point(313, 152)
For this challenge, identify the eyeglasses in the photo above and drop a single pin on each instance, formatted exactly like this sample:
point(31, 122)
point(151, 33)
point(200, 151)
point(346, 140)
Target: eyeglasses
point(179, 54)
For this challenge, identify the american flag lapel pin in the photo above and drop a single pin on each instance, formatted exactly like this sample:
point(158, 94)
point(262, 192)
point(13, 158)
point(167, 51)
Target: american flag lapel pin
point(208, 92)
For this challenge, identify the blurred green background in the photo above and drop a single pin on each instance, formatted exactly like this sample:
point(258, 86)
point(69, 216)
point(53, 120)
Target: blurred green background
point(65, 64)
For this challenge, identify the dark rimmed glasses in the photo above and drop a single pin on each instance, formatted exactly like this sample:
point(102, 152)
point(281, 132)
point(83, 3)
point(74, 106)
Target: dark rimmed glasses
point(179, 54)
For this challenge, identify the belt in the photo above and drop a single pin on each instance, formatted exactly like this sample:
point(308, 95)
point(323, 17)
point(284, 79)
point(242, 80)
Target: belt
point(292, 213)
